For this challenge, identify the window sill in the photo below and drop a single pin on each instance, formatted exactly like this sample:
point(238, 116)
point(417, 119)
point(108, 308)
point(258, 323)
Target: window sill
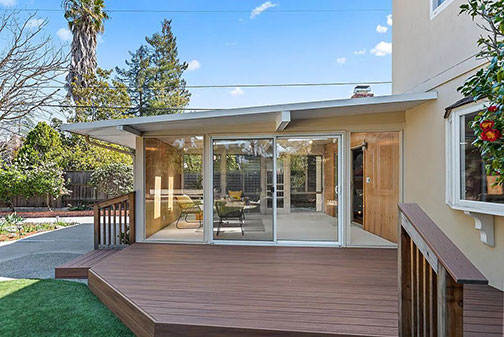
point(483, 221)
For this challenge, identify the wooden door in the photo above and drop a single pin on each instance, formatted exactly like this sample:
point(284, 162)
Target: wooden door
point(381, 182)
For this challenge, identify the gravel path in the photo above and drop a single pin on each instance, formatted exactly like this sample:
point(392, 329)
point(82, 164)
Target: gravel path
point(37, 256)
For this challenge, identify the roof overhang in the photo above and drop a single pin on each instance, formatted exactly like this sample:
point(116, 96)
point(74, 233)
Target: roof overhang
point(272, 118)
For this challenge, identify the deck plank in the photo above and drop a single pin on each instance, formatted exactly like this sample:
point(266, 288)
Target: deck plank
point(195, 290)
point(78, 267)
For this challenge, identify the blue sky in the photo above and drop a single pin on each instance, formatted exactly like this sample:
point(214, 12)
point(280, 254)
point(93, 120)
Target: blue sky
point(238, 47)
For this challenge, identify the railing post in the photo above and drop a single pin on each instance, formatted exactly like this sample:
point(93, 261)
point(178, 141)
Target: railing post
point(131, 198)
point(405, 303)
point(450, 305)
point(96, 210)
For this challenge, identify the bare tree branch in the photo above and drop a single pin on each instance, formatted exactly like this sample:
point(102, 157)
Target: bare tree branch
point(29, 63)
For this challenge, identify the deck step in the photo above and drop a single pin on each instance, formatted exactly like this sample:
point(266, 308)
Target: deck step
point(78, 267)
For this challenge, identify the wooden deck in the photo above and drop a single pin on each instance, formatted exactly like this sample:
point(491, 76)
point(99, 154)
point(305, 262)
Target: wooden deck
point(209, 290)
point(78, 267)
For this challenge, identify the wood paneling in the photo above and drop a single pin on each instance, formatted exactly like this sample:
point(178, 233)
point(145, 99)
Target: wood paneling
point(165, 162)
point(207, 290)
point(381, 182)
point(330, 175)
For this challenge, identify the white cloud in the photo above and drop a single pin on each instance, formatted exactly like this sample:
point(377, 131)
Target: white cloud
point(99, 39)
point(194, 65)
point(341, 60)
point(381, 29)
point(360, 52)
point(389, 19)
point(7, 3)
point(34, 23)
point(237, 92)
point(382, 49)
point(64, 34)
point(259, 9)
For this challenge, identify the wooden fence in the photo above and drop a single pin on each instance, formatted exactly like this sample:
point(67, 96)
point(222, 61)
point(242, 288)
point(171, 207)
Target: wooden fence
point(432, 276)
point(81, 193)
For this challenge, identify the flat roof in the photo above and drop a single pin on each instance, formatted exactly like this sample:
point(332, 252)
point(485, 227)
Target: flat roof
point(124, 131)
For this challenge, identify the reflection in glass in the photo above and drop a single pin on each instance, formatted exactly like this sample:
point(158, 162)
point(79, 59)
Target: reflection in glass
point(308, 168)
point(475, 184)
point(240, 189)
point(174, 188)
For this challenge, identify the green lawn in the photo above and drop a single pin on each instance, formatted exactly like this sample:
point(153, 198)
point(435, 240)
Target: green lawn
point(54, 308)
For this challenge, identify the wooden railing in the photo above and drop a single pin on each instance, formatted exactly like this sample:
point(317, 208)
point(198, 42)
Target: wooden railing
point(432, 274)
point(114, 222)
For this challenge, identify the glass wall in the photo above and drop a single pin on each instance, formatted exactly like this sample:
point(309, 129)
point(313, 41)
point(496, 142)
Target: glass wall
point(240, 189)
point(174, 188)
point(307, 168)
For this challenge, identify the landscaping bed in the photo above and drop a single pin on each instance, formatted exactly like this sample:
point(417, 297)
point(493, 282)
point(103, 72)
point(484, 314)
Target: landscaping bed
point(13, 227)
point(55, 308)
point(49, 214)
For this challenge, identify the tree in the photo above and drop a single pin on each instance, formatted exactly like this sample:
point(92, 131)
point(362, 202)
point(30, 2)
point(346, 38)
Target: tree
point(167, 84)
point(13, 183)
point(42, 144)
point(102, 99)
point(45, 179)
point(488, 83)
point(154, 75)
point(114, 179)
point(86, 20)
point(136, 79)
point(28, 65)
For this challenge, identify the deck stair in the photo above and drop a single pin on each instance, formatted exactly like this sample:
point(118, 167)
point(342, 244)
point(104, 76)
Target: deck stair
point(78, 267)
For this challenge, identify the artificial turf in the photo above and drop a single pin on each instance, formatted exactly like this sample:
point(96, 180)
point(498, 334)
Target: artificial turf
point(54, 308)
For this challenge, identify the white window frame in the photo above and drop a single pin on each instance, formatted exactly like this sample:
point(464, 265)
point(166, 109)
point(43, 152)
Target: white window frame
point(434, 11)
point(453, 170)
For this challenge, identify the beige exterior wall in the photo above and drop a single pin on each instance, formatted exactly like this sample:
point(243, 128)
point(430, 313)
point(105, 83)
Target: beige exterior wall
point(425, 181)
point(427, 53)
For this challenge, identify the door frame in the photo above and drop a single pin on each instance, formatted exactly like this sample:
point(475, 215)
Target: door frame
point(342, 187)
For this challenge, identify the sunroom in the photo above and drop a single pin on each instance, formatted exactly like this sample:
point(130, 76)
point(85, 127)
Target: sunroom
point(324, 173)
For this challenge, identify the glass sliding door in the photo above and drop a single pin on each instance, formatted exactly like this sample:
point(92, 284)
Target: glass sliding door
point(309, 170)
point(242, 190)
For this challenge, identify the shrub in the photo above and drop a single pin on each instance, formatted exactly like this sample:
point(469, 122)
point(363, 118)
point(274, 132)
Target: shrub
point(113, 179)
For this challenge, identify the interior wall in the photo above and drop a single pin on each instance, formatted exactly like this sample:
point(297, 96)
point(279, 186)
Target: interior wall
point(164, 163)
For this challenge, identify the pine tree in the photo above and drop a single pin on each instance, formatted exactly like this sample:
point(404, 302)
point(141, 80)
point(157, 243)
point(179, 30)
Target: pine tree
point(166, 82)
point(154, 75)
point(136, 79)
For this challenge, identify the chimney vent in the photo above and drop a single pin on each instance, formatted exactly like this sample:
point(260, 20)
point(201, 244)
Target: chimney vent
point(362, 91)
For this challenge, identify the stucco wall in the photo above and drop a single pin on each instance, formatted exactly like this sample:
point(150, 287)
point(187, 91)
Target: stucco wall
point(426, 52)
point(424, 183)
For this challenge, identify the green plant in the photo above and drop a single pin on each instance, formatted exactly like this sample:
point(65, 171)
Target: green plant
point(113, 179)
point(11, 223)
point(488, 83)
point(46, 180)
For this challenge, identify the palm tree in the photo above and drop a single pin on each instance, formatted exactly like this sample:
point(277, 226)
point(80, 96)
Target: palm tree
point(86, 20)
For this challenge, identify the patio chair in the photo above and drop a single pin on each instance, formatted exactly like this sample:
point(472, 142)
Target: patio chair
point(229, 212)
point(187, 207)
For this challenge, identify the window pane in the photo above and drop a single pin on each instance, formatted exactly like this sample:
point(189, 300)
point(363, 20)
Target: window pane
point(174, 188)
point(475, 184)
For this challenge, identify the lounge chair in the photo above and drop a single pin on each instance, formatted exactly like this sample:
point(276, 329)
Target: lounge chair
point(226, 212)
point(187, 207)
